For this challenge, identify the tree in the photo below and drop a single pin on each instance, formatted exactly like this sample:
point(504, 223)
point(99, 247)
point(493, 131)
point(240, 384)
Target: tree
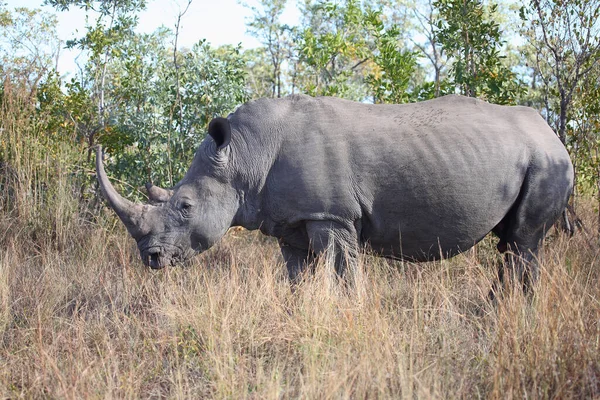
point(37, 133)
point(566, 39)
point(426, 16)
point(29, 46)
point(29, 50)
point(584, 133)
point(114, 26)
point(152, 100)
point(393, 67)
point(333, 45)
point(148, 140)
point(347, 50)
point(473, 41)
point(265, 26)
point(259, 71)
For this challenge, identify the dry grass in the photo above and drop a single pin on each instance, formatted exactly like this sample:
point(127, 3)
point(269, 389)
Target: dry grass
point(81, 318)
point(85, 319)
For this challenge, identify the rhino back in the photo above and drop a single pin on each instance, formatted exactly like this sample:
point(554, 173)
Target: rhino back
point(413, 179)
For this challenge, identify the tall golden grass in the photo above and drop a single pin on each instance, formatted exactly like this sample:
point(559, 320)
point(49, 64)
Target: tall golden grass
point(80, 317)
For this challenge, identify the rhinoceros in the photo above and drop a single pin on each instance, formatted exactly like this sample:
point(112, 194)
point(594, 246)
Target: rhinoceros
point(414, 182)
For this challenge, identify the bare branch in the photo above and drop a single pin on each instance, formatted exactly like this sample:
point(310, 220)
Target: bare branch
point(358, 64)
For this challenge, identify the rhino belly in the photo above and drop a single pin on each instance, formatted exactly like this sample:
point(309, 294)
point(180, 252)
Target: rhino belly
point(422, 245)
point(423, 231)
point(418, 248)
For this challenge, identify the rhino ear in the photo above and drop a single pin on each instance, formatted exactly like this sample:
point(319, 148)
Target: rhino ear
point(220, 130)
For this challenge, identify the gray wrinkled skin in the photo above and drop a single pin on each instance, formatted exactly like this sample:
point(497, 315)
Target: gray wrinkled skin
point(415, 181)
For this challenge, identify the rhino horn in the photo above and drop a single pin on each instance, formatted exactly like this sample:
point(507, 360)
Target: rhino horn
point(130, 213)
point(157, 194)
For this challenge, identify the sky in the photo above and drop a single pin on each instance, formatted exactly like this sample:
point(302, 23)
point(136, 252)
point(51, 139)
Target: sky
point(219, 21)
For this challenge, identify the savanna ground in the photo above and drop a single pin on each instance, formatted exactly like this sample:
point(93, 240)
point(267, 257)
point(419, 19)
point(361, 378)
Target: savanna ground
point(80, 317)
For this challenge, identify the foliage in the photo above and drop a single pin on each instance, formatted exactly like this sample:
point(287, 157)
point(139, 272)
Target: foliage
point(259, 73)
point(565, 39)
point(29, 45)
point(274, 36)
point(350, 52)
point(393, 66)
point(147, 109)
point(333, 45)
point(148, 139)
point(472, 38)
point(148, 103)
point(584, 132)
point(432, 89)
point(103, 41)
point(426, 16)
point(79, 318)
point(36, 125)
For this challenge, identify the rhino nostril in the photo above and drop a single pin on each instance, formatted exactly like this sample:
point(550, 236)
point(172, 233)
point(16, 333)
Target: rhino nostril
point(155, 259)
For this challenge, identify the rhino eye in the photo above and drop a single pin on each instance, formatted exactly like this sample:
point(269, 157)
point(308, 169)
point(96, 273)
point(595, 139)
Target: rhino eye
point(185, 208)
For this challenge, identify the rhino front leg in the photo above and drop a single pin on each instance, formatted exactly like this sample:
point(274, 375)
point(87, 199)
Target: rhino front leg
point(334, 240)
point(296, 260)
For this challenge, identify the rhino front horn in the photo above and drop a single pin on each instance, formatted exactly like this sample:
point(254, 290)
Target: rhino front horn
point(130, 213)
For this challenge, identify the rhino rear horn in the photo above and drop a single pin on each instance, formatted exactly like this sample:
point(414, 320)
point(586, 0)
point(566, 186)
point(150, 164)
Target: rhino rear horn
point(130, 213)
point(220, 130)
point(157, 194)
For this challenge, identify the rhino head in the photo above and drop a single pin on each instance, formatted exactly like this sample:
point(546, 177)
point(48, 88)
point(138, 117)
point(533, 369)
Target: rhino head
point(191, 216)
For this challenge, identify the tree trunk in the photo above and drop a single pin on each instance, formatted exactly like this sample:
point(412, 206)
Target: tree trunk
point(437, 81)
point(565, 225)
point(562, 125)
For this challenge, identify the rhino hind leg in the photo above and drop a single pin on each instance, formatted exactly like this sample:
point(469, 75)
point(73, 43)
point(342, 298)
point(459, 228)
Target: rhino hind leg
point(522, 230)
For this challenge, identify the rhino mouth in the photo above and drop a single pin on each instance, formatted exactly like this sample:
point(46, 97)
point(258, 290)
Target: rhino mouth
point(156, 261)
point(159, 257)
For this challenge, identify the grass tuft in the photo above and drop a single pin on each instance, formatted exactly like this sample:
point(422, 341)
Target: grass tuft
point(81, 317)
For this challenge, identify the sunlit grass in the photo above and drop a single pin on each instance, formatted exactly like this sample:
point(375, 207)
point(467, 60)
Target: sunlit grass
point(80, 317)
point(90, 321)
